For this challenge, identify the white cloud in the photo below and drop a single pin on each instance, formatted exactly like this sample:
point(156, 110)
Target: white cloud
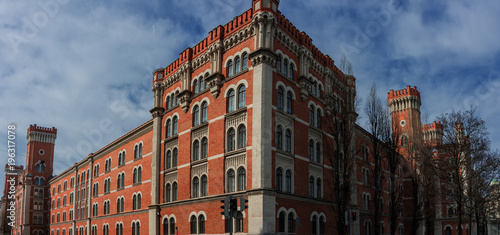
point(92, 61)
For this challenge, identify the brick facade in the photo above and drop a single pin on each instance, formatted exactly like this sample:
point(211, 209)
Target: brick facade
point(246, 112)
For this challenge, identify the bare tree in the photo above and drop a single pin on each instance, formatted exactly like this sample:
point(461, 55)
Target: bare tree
point(341, 153)
point(466, 163)
point(345, 65)
point(377, 118)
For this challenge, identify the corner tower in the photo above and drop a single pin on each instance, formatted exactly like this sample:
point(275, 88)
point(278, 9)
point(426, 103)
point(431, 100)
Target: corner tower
point(40, 151)
point(405, 117)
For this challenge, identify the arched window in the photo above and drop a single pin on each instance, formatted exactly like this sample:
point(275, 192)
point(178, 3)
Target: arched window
point(196, 187)
point(278, 63)
point(242, 182)
point(201, 224)
point(195, 87)
point(168, 191)
point(288, 181)
point(280, 98)
point(291, 71)
point(281, 222)
point(37, 181)
point(448, 230)
point(241, 96)
point(135, 175)
point(311, 115)
point(196, 150)
point(237, 64)
point(318, 118)
point(172, 226)
point(134, 202)
point(174, 157)
point(37, 167)
point(291, 221)
point(318, 188)
point(42, 167)
point(174, 191)
point(321, 225)
point(204, 112)
point(204, 148)
point(204, 185)
point(242, 134)
point(314, 225)
point(229, 68)
point(245, 61)
point(196, 115)
point(285, 67)
point(139, 174)
point(289, 102)
point(230, 101)
point(311, 186)
point(318, 152)
point(165, 227)
point(193, 224)
point(174, 126)
point(230, 139)
point(239, 222)
point(202, 83)
point(368, 228)
point(315, 88)
point(311, 150)
point(230, 181)
point(168, 162)
point(176, 98)
point(279, 179)
point(288, 141)
point(319, 90)
point(404, 140)
point(279, 138)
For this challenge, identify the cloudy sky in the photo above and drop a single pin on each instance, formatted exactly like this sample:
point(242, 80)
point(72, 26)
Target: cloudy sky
point(77, 64)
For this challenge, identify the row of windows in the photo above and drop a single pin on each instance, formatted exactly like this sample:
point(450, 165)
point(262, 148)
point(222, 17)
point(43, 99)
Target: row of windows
point(199, 84)
point(240, 64)
point(40, 166)
point(286, 68)
point(279, 139)
point(281, 100)
point(314, 152)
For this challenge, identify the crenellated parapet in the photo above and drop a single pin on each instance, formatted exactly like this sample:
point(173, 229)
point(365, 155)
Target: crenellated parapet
point(433, 133)
point(402, 100)
point(41, 134)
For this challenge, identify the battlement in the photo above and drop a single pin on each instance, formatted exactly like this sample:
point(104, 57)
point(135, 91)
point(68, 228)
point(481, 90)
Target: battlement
point(41, 134)
point(433, 126)
point(409, 91)
point(47, 130)
point(303, 39)
point(15, 167)
point(217, 34)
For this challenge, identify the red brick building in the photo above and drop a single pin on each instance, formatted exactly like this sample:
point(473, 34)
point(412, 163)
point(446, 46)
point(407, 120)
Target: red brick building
point(246, 112)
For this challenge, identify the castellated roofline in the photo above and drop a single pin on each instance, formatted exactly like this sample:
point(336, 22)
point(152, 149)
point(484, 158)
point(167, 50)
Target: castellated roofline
point(409, 91)
point(41, 134)
point(433, 126)
point(47, 130)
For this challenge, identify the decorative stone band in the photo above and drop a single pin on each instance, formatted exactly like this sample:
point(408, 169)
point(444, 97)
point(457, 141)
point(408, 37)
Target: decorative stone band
point(35, 136)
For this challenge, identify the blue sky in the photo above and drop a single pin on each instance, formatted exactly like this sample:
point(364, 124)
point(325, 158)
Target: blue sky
point(77, 64)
